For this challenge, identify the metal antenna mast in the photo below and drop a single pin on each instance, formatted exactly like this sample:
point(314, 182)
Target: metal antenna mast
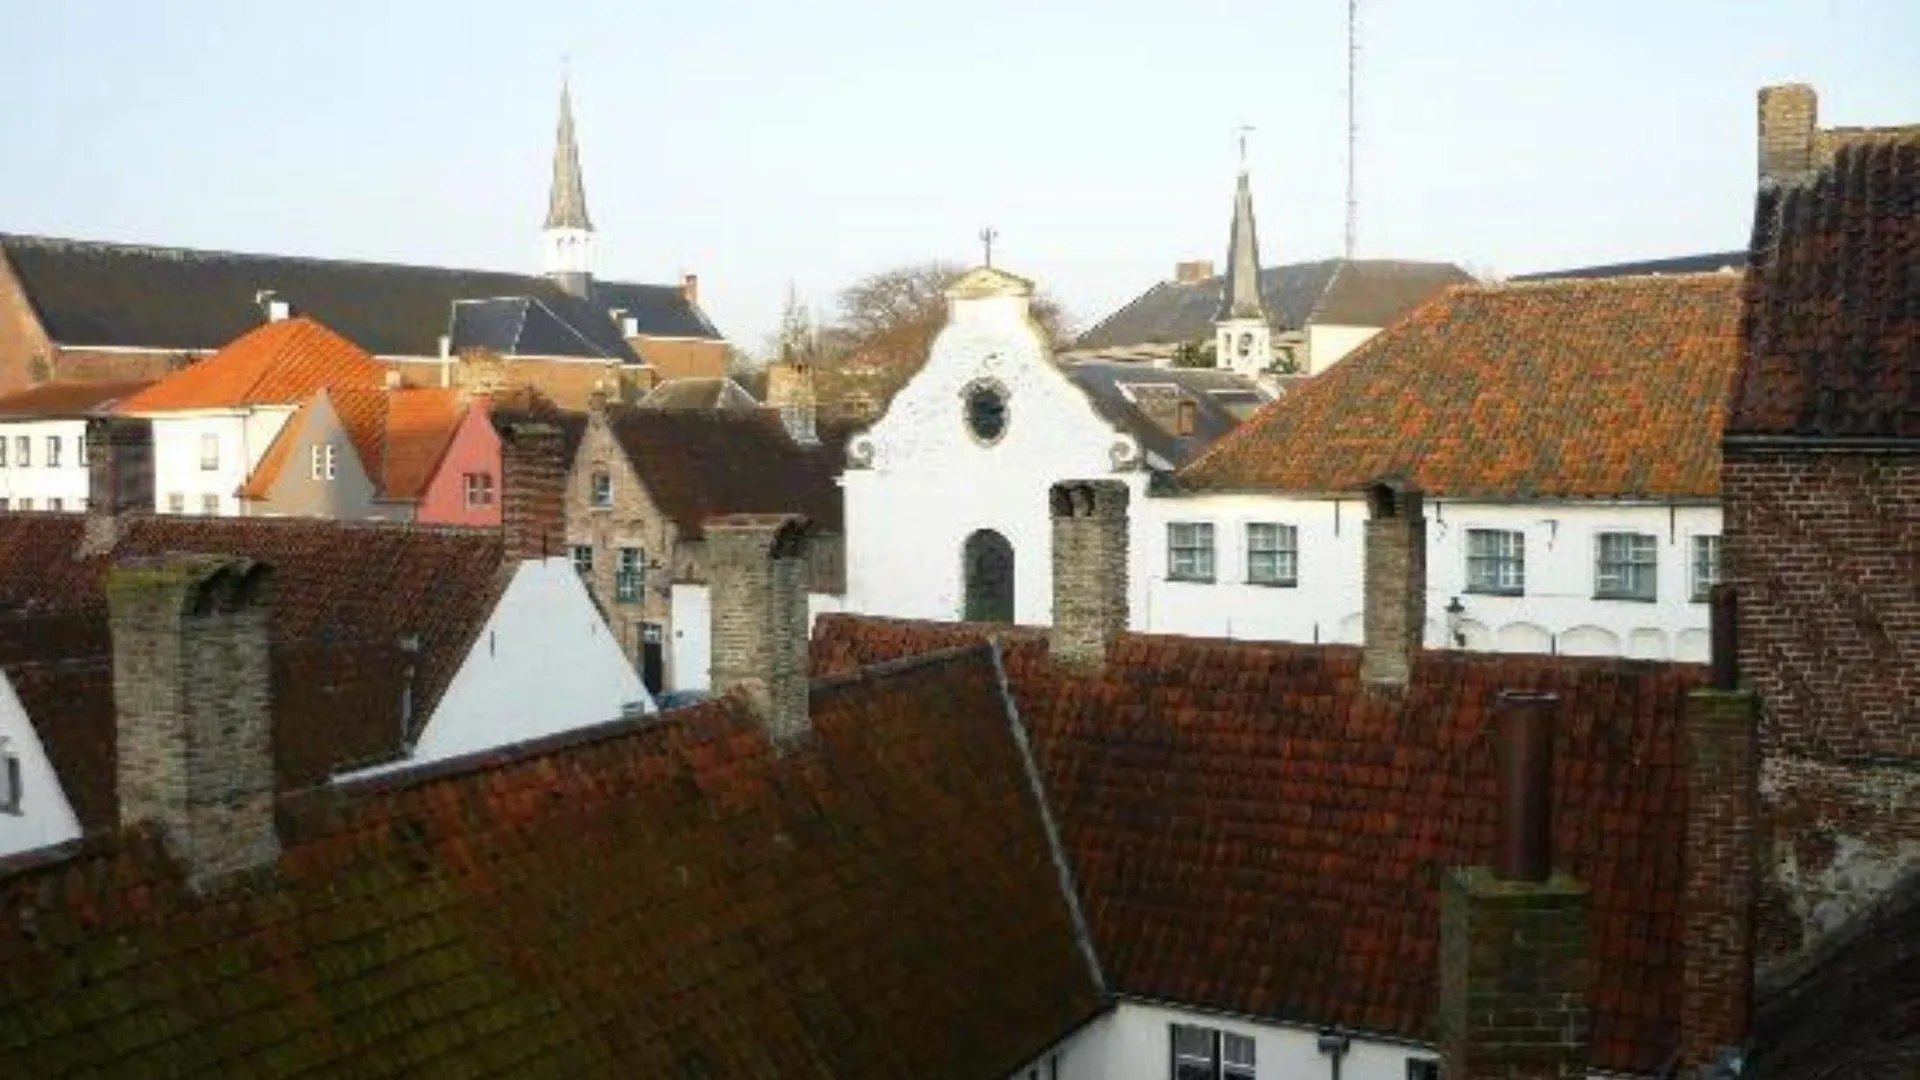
point(1353, 126)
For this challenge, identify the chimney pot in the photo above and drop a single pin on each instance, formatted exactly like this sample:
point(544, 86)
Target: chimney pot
point(1089, 570)
point(759, 610)
point(1394, 583)
point(194, 707)
point(1526, 785)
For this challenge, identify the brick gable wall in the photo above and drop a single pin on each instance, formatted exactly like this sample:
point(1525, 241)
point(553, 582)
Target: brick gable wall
point(1825, 552)
point(22, 339)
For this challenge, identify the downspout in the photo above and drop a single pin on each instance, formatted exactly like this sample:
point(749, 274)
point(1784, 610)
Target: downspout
point(1334, 1044)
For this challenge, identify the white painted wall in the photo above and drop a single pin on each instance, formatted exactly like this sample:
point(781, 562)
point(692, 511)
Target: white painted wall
point(544, 663)
point(37, 481)
point(928, 484)
point(1133, 1042)
point(45, 817)
point(691, 663)
point(1328, 345)
point(243, 436)
point(1557, 612)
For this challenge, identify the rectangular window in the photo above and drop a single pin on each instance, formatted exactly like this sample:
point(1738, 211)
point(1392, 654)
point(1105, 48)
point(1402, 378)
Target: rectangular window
point(320, 462)
point(1206, 1054)
point(479, 486)
point(53, 451)
point(81, 450)
point(22, 451)
point(210, 505)
point(1423, 1069)
point(176, 503)
point(1496, 562)
point(583, 559)
point(1706, 567)
point(1625, 566)
point(209, 451)
point(1273, 554)
point(1190, 551)
point(11, 791)
point(56, 505)
point(3, 453)
point(26, 504)
point(602, 490)
point(6, 503)
point(628, 576)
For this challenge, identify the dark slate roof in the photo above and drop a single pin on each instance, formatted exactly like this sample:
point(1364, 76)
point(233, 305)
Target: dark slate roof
point(530, 326)
point(1337, 292)
point(1612, 388)
point(700, 463)
point(347, 595)
point(89, 293)
point(1853, 1013)
point(1708, 263)
point(1832, 325)
point(668, 899)
point(1254, 832)
point(1136, 399)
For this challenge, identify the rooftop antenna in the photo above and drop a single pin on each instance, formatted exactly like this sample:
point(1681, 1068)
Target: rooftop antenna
point(987, 236)
point(1353, 127)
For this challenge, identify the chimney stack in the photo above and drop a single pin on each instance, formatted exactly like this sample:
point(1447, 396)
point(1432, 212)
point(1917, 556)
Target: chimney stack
point(1394, 583)
point(1514, 964)
point(194, 708)
point(533, 490)
point(1789, 134)
point(690, 288)
point(759, 573)
point(119, 478)
point(1089, 570)
point(1721, 722)
point(1195, 270)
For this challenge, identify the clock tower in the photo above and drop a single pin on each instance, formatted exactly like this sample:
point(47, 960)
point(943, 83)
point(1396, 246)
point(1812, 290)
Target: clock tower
point(1243, 338)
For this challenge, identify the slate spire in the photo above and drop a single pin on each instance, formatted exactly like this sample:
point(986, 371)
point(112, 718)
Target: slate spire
point(567, 202)
point(1240, 298)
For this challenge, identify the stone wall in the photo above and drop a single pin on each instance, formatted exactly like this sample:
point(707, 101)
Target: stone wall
point(631, 521)
point(1089, 569)
point(760, 623)
point(1514, 978)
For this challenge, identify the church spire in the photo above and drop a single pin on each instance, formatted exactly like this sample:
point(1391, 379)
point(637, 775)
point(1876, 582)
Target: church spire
point(1240, 299)
point(568, 236)
point(567, 202)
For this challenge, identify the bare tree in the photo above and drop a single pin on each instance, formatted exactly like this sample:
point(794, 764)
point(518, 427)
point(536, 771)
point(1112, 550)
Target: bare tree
point(890, 318)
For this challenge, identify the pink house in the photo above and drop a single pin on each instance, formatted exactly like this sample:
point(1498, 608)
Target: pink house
point(464, 487)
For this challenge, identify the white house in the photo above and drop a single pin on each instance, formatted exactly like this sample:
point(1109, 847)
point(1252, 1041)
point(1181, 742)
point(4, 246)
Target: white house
point(34, 809)
point(43, 442)
point(946, 494)
point(215, 419)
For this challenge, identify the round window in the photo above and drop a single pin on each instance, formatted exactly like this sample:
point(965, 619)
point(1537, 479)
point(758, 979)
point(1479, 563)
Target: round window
point(986, 412)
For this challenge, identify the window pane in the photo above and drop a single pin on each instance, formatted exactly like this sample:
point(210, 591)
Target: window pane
point(1237, 1050)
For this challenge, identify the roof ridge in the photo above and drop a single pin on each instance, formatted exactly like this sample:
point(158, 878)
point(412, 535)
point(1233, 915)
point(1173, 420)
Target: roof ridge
point(1691, 278)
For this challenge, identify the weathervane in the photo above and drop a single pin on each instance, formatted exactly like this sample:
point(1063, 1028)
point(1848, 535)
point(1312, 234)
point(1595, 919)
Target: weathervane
point(987, 236)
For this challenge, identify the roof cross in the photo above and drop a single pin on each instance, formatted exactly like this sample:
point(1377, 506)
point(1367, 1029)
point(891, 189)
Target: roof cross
point(1240, 133)
point(987, 236)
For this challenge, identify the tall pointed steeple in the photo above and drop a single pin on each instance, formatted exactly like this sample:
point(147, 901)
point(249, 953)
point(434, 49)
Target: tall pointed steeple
point(568, 233)
point(1243, 339)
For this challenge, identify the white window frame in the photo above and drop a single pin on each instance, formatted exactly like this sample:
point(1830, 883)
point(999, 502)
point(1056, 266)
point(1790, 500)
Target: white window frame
point(629, 575)
point(1282, 550)
point(177, 503)
point(23, 451)
point(1616, 578)
point(53, 451)
point(600, 493)
point(3, 452)
point(26, 503)
point(209, 506)
point(582, 555)
point(56, 504)
point(209, 451)
point(1500, 568)
point(1229, 1055)
point(320, 462)
point(1701, 590)
point(482, 482)
point(1190, 551)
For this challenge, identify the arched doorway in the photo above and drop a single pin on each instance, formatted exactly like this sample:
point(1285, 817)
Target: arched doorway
point(987, 568)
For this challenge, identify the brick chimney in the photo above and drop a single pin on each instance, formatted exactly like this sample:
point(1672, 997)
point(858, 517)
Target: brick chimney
point(1514, 962)
point(119, 478)
point(1789, 133)
point(1186, 273)
point(1721, 722)
point(758, 570)
point(533, 482)
point(690, 288)
point(194, 708)
point(1394, 583)
point(1089, 570)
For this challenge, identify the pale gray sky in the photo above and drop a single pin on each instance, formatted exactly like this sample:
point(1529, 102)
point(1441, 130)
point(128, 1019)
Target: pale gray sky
point(756, 142)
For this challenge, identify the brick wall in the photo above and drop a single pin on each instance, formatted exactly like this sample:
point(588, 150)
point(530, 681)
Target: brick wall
point(533, 490)
point(1394, 585)
point(1716, 1008)
point(1089, 569)
point(22, 340)
point(760, 615)
point(1789, 116)
point(678, 358)
point(1514, 978)
point(1824, 550)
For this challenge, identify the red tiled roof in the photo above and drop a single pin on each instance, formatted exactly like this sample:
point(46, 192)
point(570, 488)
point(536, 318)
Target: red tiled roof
point(280, 363)
point(67, 399)
point(1253, 832)
point(699, 464)
point(347, 595)
point(1832, 325)
point(1608, 388)
point(674, 899)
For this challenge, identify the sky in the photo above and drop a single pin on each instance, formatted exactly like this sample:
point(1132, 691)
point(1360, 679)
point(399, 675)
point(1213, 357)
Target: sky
point(762, 144)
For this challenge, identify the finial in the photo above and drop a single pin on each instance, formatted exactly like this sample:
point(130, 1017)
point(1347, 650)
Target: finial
point(1240, 133)
point(988, 235)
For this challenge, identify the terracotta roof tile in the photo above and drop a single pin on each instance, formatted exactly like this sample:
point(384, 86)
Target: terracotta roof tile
point(1253, 832)
point(1603, 388)
point(280, 363)
point(1832, 325)
point(67, 399)
point(674, 899)
point(347, 595)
